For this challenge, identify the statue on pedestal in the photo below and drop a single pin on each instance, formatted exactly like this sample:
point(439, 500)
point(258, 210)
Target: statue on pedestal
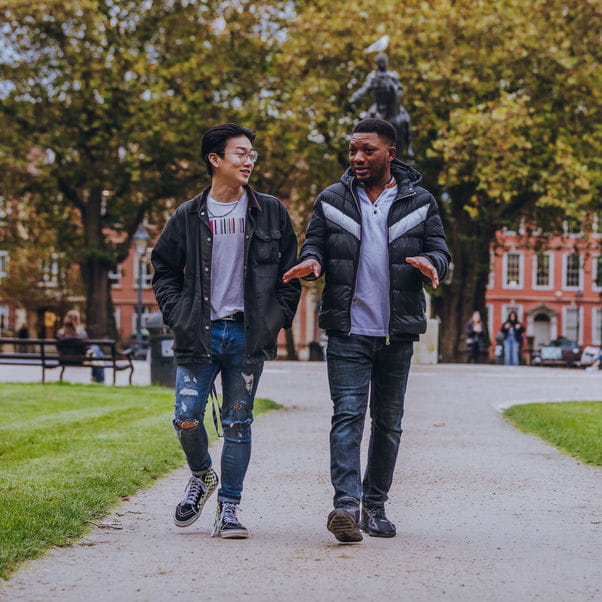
point(387, 90)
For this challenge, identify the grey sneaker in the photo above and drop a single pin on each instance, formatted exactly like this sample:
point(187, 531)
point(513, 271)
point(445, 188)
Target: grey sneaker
point(197, 492)
point(226, 524)
point(343, 524)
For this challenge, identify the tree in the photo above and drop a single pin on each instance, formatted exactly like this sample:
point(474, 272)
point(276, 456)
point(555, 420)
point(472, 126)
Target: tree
point(504, 99)
point(116, 96)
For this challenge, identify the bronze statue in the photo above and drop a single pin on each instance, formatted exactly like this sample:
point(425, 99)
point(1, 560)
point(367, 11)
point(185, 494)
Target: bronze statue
point(387, 90)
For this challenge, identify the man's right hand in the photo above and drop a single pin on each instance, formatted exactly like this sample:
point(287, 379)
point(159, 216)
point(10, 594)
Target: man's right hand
point(305, 268)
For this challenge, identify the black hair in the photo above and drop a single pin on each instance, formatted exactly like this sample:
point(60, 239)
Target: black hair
point(216, 138)
point(378, 126)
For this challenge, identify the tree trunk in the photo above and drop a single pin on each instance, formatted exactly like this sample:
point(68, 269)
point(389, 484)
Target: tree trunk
point(469, 243)
point(291, 351)
point(99, 307)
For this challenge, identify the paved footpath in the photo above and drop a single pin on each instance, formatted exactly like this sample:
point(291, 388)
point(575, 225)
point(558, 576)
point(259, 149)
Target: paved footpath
point(483, 512)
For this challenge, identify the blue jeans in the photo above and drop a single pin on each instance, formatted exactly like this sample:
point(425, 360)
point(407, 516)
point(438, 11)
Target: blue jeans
point(511, 347)
point(359, 366)
point(239, 384)
point(98, 372)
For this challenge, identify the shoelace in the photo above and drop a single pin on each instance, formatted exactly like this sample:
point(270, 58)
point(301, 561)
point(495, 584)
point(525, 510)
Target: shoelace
point(195, 488)
point(228, 514)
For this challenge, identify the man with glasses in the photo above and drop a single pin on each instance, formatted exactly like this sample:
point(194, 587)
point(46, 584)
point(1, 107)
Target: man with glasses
point(218, 281)
point(377, 236)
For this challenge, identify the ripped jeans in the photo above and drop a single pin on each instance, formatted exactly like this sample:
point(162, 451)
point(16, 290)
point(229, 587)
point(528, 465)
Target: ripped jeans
point(239, 384)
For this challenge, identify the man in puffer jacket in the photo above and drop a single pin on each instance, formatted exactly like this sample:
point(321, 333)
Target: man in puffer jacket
point(377, 236)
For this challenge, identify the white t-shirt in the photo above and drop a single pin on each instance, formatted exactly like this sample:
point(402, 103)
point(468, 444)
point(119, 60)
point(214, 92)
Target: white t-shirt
point(227, 221)
point(370, 307)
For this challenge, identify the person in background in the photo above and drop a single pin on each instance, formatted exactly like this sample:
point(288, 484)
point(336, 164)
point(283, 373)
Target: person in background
point(513, 331)
point(477, 340)
point(23, 333)
point(72, 329)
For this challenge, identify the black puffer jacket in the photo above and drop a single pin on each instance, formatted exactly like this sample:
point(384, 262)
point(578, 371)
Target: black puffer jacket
point(182, 279)
point(334, 235)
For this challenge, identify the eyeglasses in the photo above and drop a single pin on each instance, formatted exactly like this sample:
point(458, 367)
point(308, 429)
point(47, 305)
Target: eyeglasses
point(242, 156)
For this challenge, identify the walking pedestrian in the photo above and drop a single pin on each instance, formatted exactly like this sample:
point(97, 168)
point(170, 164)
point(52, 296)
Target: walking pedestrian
point(377, 236)
point(218, 282)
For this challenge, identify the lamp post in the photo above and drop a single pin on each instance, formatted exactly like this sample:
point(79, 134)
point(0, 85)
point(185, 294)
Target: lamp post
point(141, 239)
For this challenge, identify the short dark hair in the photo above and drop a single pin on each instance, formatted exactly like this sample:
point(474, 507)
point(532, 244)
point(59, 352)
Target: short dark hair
point(216, 138)
point(378, 126)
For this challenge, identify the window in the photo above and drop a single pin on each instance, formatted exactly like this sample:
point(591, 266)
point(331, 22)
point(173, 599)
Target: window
point(597, 326)
point(597, 273)
point(3, 264)
point(572, 271)
point(115, 277)
point(572, 228)
point(147, 271)
point(50, 271)
point(570, 322)
point(147, 310)
point(513, 270)
point(3, 317)
point(506, 309)
point(542, 278)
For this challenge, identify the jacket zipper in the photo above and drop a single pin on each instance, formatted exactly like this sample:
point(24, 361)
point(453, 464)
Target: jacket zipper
point(388, 335)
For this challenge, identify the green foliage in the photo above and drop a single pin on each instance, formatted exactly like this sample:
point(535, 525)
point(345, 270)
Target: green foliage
point(504, 98)
point(68, 453)
point(574, 427)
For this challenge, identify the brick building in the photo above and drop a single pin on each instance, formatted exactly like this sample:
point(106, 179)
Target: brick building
point(555, 291)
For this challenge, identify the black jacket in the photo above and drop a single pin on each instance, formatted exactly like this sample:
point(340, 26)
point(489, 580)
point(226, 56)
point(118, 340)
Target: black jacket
point(182, 279)
point(334, 236)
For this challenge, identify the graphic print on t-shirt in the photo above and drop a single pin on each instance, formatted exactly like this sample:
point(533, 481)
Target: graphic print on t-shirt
point(227, 225)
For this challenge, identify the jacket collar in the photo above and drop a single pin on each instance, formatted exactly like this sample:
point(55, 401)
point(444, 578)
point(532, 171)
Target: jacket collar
point(201, 199)
point(403, 173)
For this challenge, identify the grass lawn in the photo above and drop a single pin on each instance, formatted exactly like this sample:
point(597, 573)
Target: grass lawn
point(574, 427)
point(69, 453)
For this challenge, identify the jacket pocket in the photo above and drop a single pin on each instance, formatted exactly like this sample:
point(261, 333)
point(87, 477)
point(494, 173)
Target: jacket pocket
point(267, 246)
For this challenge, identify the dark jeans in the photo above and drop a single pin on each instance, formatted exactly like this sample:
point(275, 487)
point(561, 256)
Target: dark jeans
point(239, 384)
point(357, 366)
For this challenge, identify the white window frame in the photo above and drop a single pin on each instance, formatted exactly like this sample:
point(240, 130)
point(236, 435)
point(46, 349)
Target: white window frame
point(147, 310)
point(117, 317)
point(50, 271)
point(565, 287)
point(550, 285)
point(596, 325)
point(3, 264)
point(508, 307)
point(521, 258)
point(4, 312)
point(595, 258)
point(116, 276)
point(578, 312)
point(147, 277)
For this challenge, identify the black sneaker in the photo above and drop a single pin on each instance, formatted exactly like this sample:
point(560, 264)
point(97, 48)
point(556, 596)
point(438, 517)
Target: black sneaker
point(226, 524)
point(375, 522)
point(197, 491)
point(343, 524)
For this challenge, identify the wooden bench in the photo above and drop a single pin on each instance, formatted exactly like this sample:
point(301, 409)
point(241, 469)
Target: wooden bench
point(61, 353)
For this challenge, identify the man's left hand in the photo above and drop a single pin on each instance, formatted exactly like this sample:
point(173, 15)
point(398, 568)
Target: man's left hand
point(426, 267)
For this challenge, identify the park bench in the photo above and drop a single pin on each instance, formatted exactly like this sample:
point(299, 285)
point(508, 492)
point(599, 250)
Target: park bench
point(62, 353)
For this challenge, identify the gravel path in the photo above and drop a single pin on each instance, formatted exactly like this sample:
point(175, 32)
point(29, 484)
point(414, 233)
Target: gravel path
point(483, 512)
